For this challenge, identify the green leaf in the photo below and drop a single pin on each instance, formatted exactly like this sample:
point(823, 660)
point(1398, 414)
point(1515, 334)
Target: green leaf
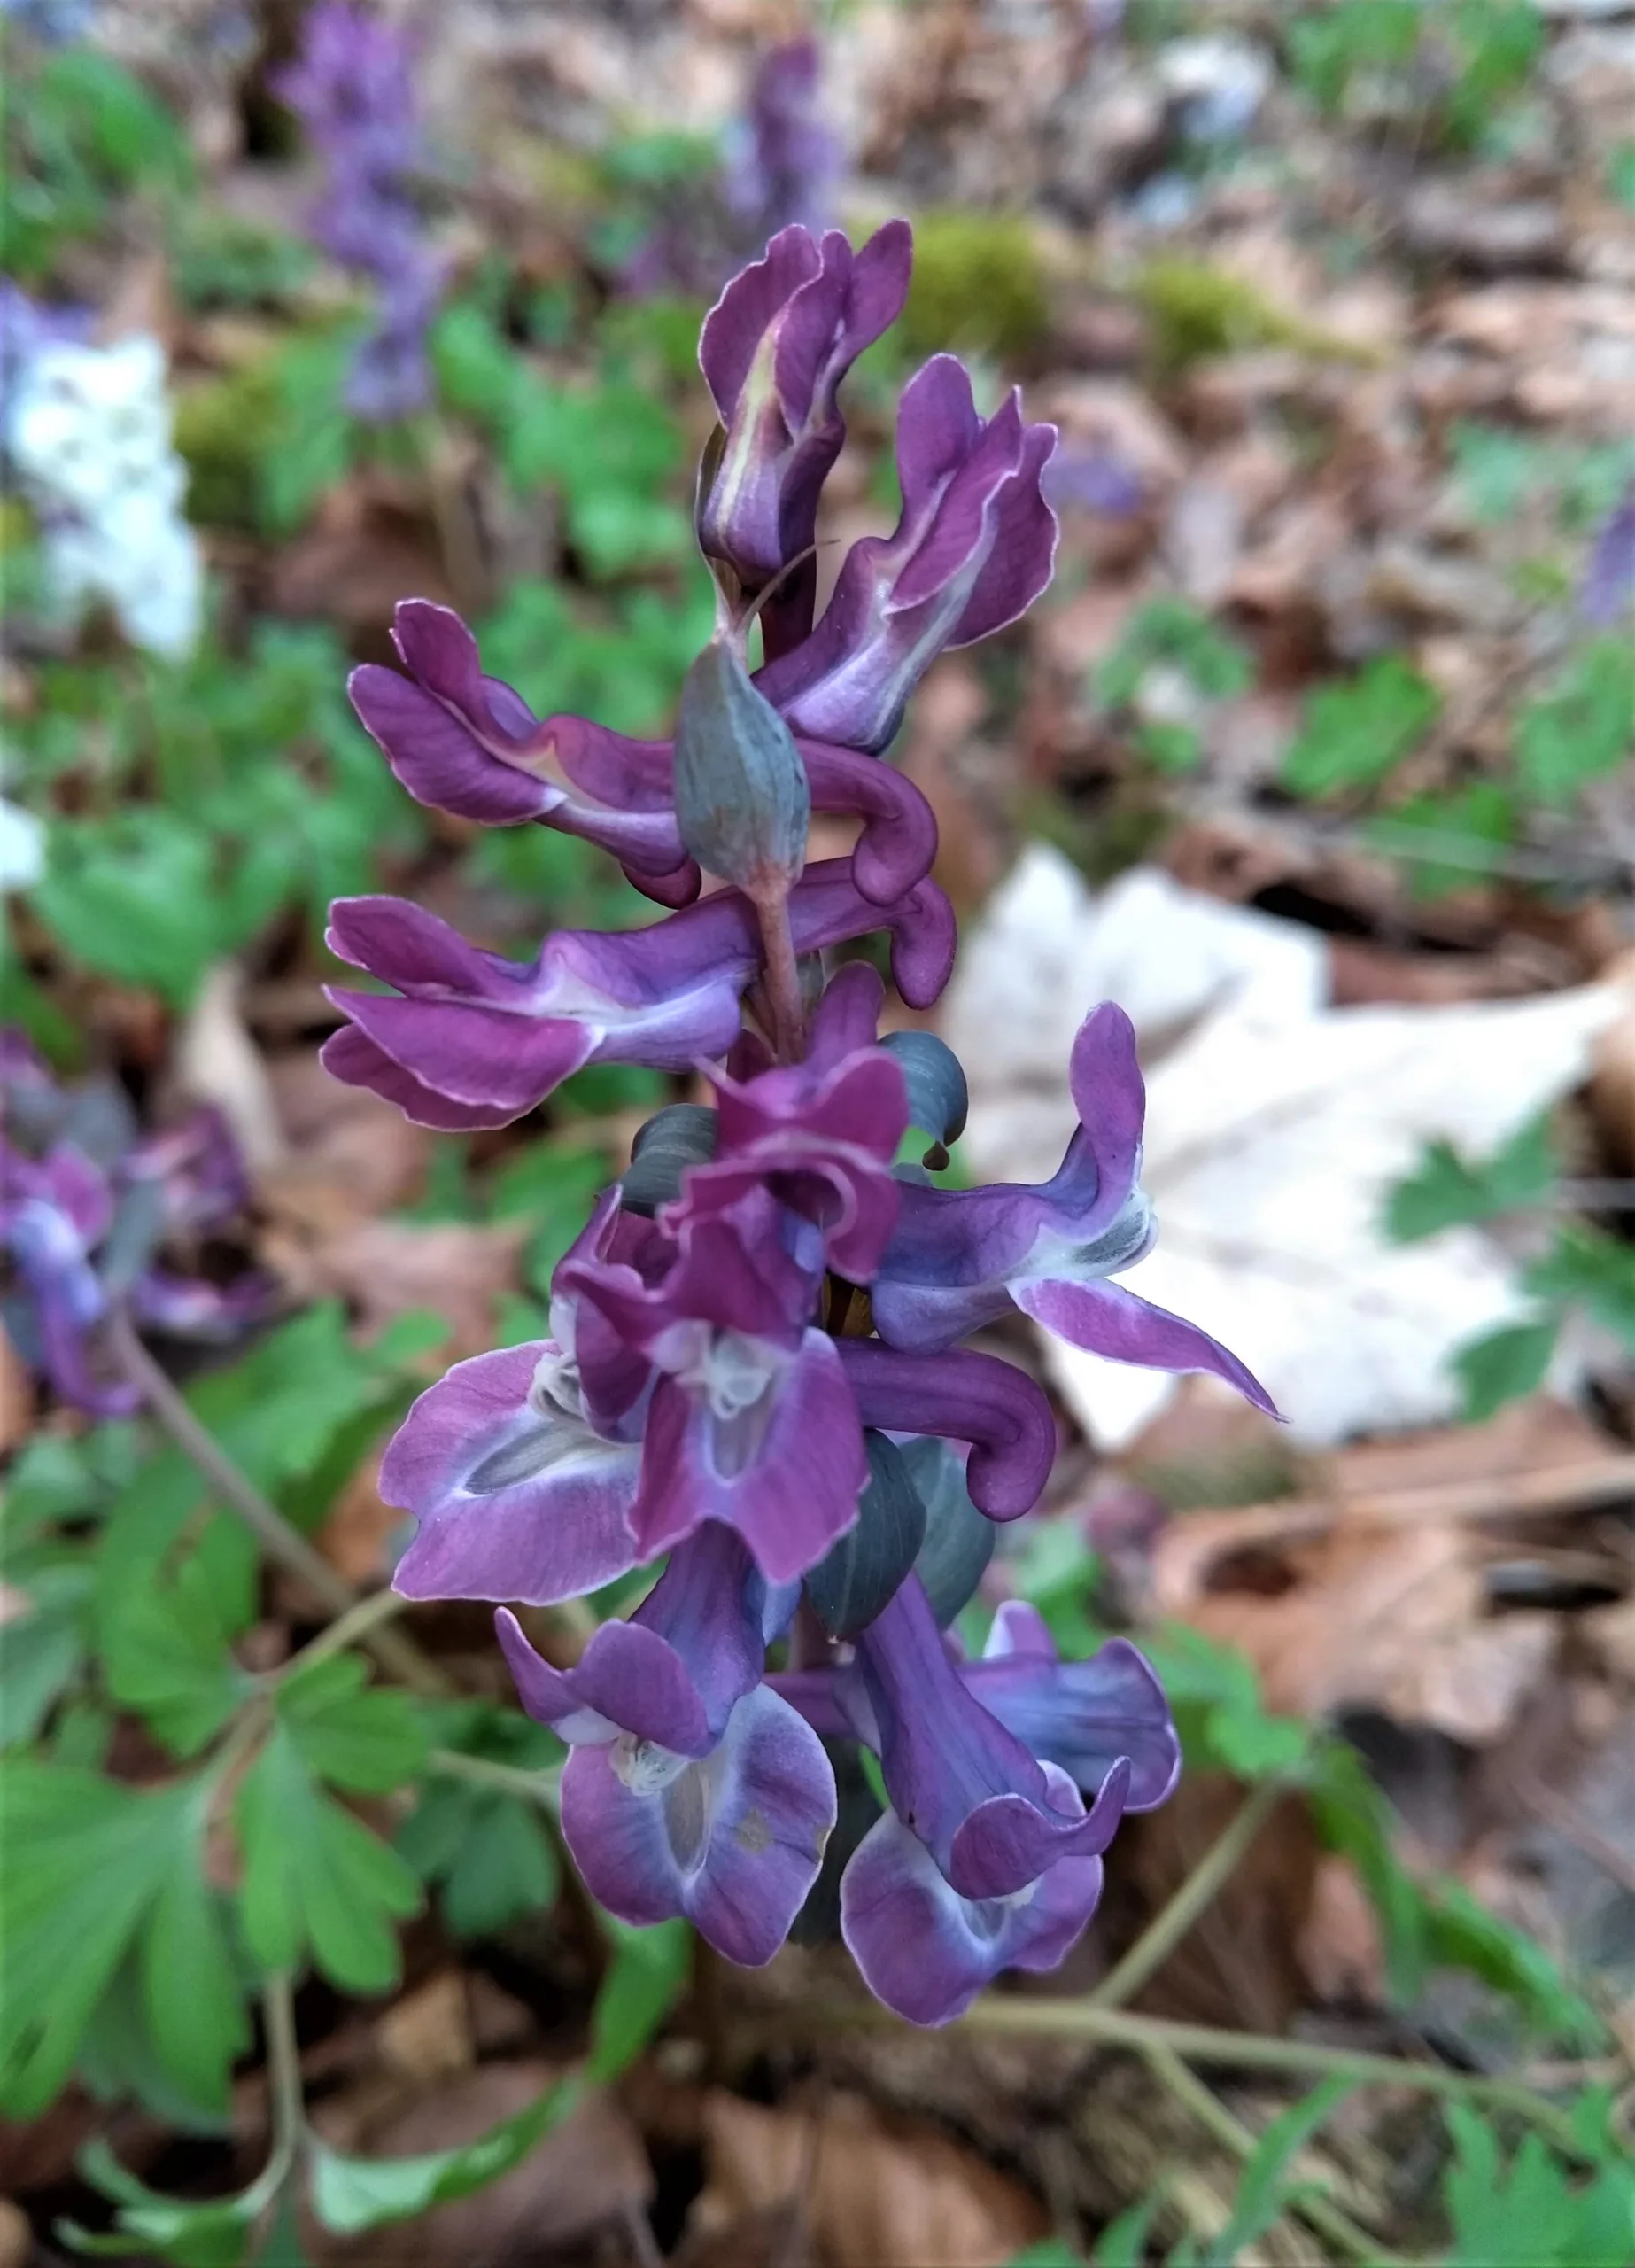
point(1352, 735)
point(1505, 1365)
point(1529, 2214)
point(367, 1741)
point(43, 1649)
point(190, 1986)
point(135, 897)
point(166, 1656)
point(1445, 1191)
point(1582, 726)
point(316, 1878)
point(214, 2235)
point(1588, 1269)
point(351, 2194)
point(1123, 2243)
point(82, 1858)
point(506, 1866)
point(1219, 1714)
point(646, 1977)
point(1261, 2189)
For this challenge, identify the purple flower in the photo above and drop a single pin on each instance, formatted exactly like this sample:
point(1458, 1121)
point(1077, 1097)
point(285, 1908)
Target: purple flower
point(82, 1234)
point(959, 1258)
point(353, 91)
point(466, 743)
point(774, 349)
point(981, 1863)
point(784, 167)
point(517, 1494)
point(1609, 579)
point(750, 1421)
point(691, 1790)
point(471, 1039)
point(972, 550)
point(713, 1388)
point(821, 1135)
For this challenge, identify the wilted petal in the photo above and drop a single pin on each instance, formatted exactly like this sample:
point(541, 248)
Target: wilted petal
point(926, 1951)
point(734, 1841)
point(515, 1497)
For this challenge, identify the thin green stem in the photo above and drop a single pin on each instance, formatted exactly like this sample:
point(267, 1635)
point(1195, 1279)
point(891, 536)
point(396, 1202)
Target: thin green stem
point(543, 1787)
point(286, 2102)
point(1248, 2051)
point(361, 1619)
point(1198, 1892)
point(1320, 2213)
point(394, 1649)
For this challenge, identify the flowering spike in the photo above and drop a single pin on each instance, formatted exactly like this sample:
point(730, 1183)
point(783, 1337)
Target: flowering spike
point(752, 1368)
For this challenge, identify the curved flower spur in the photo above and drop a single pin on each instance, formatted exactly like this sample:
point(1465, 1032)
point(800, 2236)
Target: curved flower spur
point(752, 1383)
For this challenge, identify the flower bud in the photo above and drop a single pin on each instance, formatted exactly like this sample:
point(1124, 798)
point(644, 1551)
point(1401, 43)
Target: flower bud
point(742, 802)
point(938, 1096)
point(681, 1135)
point(856, 1579)
point(959, 1540)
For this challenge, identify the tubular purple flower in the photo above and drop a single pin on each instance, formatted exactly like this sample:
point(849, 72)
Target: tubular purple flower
point(472, 1039)
point(972, 550)
point(463, 743)
point(975, 1796)
point(959, 1258)
point(751, 1421)
point(821, 1134)
point(466, 743)
point(774, 349)
point(53, 1212)
point(1609, 584)
point(517, 1494)
point(926, 1951)
point(732, 1841)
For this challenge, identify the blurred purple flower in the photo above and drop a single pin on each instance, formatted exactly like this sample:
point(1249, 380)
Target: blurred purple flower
point(783, 160)
point(1609, 577)
point(84, 1210)
point(352, 87)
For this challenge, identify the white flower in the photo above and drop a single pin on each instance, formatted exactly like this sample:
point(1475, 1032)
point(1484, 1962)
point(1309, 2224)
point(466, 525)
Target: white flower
point(89, 431)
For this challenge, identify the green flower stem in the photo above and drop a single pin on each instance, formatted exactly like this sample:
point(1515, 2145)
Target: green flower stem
point(360, 1621)
point(1249, 2051)
point(394, 1649)
point(1320, 2213)
point(543, 1788)
point(287, 2103)
point(1198, 1892)
point(782, 978)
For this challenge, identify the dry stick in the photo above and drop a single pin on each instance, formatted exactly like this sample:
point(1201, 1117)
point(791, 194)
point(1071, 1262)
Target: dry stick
point(394, 1649)
point(1320, 2213)
point(1172, 1921)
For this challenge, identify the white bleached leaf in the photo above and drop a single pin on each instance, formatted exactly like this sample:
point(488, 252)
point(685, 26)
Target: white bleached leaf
point(1275, 1126)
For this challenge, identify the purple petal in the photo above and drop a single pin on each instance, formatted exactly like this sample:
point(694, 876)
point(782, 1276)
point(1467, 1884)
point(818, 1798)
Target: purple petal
point(925, 1951)
point(628, 1678)
point(1008, 1842)
point(352, 1057)
point(733, 1842)
point(515, 1500)
point(966, 1397)
point(479, 1057)
point(899, 838)
point(1609, 577)
point(1082, 1716)
point(1106, 1319)
point(794, 1495)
